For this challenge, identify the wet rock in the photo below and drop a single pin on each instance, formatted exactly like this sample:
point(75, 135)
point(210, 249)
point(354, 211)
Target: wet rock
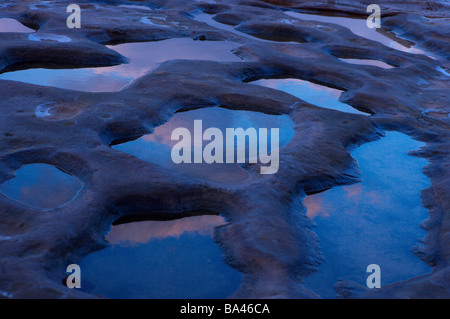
point(269, 238)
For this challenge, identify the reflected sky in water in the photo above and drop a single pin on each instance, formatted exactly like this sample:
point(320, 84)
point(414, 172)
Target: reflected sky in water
point(312, 93)
point(372, 222)
point(208, 19)
point(11, 25)
point(358, 27)
point(42, 185)
point(145, 231)
point(174, 259)
point(157, 147)
point(144, 57)
point(377, 63)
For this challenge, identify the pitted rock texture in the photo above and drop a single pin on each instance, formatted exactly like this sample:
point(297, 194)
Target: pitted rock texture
point(268, 236)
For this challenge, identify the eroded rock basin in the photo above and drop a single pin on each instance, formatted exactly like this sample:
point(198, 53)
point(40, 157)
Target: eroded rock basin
point(42, 185)
point(377, 63)
point(144, 57)
point(157, 147)
point(358, 26)
point(310, 92)
point(134, 70)
point(11, 25)
point(161, 259)
point(372, 222)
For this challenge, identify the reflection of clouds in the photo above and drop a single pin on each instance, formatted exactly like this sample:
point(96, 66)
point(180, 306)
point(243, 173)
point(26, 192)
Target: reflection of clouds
point(156, 147)
point(351, 200)
point(143, 232)
point(315, 206)
point(353, 190)
point(222, 119)
point(162, 134)
point(299, 87)
point(400, 47)
point(316, 94)
point(100, 83)
point(144, 57)
point(215, 172)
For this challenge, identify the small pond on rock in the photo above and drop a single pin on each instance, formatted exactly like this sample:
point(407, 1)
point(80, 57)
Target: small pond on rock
point(42, 185)
point(156, 147)
point(377, 63)
point(161, 259)
point(11, 25)
point(310, 92)
point(372, 222)
point(144, 57)
point(359, 27)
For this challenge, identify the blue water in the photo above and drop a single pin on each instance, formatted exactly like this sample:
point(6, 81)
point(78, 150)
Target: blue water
point(372, 222)
point(208, 19)
point(42, 186)
point(309, 92)
point(190, 266)
point(156, 147)
point(144, 57)
point(377, 63)
point(359, 27)
point(11, 25)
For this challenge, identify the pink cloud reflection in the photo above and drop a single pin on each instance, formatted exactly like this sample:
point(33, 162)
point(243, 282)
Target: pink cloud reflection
point(145, 56)
point(315, 206)
point(143, 232)
point(350, 199)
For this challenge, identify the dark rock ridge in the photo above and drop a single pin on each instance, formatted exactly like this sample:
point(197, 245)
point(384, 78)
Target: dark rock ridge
point(268, 237)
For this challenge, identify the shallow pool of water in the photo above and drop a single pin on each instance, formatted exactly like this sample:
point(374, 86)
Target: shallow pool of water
point(131, 6)
point(156, 147)
point(359, 27)
point(377, 63)
point(48, 37)
point(312, 93)
point(144, 57)
point(42, 186)
point(208, 19)
point(372, 222)
point(11, 25)
point(161, 259)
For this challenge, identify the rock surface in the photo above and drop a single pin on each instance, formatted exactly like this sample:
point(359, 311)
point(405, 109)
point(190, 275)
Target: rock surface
point(268, 236)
